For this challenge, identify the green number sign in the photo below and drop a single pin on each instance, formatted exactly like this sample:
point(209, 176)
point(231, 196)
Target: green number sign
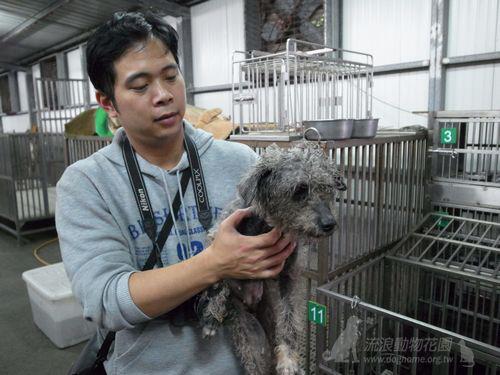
point(443, 222)
point(448, 136)
point(316, 313)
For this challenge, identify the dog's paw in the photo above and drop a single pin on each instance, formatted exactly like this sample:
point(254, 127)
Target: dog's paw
point(208, 331)
point(289, 367)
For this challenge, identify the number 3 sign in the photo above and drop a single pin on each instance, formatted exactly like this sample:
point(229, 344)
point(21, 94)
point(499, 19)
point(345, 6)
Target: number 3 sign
point(448, 136)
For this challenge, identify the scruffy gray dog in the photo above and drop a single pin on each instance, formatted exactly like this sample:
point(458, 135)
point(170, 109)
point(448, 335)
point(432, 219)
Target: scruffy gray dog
point(293, 190)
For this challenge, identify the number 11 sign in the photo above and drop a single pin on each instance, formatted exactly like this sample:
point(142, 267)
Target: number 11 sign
point(316, 313)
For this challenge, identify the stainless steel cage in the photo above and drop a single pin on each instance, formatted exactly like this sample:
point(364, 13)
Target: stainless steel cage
point(466, 159)
point(308, 81)
point(31, 164)
point(444, 297)
point(27, 185)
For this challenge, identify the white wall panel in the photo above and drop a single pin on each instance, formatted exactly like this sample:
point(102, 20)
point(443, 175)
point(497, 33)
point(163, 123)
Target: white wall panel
point(473, 27)
point(74, 60)
point(392, 31)
point(407, 91)
point(473, 88)
point(16, 124)
point(36, 71)
point(495, 100)
point(23, 91)
point(221, 99)
point(413, 96)
point(217, 29)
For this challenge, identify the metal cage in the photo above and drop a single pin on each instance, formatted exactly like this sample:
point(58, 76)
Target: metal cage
point(440, 315)
point(308, 81)
point(466, 159)
point(30, 165)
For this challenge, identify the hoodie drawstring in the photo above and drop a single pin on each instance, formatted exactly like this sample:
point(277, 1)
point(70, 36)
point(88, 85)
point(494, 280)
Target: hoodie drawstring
point(171, 208)
point(186, 223)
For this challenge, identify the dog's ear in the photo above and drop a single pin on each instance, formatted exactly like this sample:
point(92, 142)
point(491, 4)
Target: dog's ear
point(249, 186)
point(338, 183)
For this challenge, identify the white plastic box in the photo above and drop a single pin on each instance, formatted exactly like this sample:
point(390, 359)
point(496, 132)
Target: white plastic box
point(55, 311)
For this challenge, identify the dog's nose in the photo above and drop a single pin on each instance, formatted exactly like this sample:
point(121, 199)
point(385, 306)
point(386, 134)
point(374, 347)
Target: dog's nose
point(327, 224)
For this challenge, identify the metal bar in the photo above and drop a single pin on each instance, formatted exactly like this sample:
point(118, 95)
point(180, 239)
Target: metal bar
point(438, 48)
point(492, 352)
point(356, 205)
point(408, 253)
point(475, 59)
point(446, 245)
point(449, 271)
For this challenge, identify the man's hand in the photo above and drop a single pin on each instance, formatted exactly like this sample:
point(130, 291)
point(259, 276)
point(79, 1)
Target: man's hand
point(248, 257)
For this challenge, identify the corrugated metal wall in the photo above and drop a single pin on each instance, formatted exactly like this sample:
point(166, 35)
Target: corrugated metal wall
point(395, 96)
point(393, 31)
point(217, 28)
point(397, 31)
point(474, 27)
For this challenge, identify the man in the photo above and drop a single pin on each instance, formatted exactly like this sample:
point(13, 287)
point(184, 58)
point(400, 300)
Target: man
point(133, 64)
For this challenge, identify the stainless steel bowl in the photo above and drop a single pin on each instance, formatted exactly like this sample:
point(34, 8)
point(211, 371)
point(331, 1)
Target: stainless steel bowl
point(328, 129)
point(365, 128)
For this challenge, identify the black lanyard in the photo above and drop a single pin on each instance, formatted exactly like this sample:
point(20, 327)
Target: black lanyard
point(194, 171)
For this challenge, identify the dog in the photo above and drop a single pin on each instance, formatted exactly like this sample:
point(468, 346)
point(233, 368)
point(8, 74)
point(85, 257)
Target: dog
point(295, 191)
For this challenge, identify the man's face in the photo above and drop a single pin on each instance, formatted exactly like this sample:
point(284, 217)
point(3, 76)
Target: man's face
point(150, 94)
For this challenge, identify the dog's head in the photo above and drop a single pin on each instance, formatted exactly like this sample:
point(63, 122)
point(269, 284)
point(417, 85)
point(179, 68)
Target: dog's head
point(294, 189)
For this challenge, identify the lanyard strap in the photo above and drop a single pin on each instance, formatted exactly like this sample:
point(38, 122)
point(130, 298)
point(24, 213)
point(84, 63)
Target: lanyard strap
point(144, 204)
point(198, 180)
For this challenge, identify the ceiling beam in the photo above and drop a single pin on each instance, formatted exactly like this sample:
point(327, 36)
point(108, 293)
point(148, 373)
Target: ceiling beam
point(9, 66)
point(33, 19)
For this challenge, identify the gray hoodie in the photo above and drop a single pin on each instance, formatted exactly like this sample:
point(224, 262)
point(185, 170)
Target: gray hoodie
point(103, 242)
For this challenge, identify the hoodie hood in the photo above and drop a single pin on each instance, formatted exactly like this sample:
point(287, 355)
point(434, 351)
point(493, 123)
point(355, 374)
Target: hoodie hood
point(201, 138)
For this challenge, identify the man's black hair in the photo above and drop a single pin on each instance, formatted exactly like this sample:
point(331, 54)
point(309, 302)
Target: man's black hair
point(112, 39)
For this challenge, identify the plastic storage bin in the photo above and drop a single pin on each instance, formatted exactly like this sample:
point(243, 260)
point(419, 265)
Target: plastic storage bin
point(55, 311)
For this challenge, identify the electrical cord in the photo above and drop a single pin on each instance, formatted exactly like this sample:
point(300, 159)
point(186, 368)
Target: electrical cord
point(38, 257)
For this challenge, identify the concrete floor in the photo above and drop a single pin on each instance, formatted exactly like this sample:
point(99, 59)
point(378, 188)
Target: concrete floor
point(24, 349)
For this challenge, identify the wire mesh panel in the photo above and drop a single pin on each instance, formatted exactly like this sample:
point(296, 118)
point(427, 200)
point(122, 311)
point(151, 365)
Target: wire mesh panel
point(307, 81)
point(427, 322)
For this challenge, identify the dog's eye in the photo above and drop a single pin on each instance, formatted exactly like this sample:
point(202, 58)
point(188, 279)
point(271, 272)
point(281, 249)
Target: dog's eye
point(300, 193)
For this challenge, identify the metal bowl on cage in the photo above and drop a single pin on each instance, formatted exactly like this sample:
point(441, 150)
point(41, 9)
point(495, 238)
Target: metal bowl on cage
point(327, 130)
point(365, 128)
